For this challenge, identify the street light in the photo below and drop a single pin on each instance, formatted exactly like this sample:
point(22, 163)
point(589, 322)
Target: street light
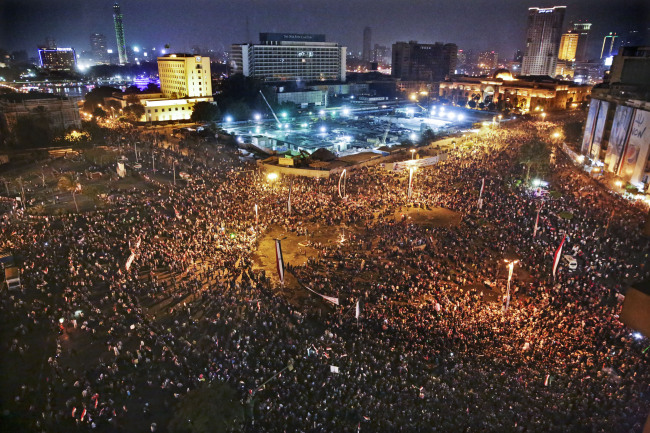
point(543, 116)
point(251, 398)
point(412, 154)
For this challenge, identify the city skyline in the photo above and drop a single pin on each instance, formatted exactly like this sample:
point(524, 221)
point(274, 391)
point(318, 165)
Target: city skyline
point(218, 24)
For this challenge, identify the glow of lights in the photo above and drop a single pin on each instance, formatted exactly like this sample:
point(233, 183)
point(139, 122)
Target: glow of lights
point(321, 113)
point(61, 320)
point(304, 125)
point(323, 129)
point(414, 97)
point(228, 119)
point(619, 183)
point(240, 140)
point(283, 114)
point(581, 158)
point(413, 136)
point(346, 111)
point(637, 335)
point(461, 117)
point(442, 109)
point(409, 111)
point(556, 135)
point(451, 116)
point(272, 176)
point(163, 51)
point(136, 49)
point(109, 51)
point(257, 116)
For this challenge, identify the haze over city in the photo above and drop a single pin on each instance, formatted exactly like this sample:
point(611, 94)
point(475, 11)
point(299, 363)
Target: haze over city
point(471, 24)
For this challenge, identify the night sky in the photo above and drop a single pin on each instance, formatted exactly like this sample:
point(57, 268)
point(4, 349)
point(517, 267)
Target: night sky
point(472, 24)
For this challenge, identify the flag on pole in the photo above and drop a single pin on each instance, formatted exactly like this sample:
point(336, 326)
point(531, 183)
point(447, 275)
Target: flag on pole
point(480, 194)
point(342, 180)
point(410, 182)
point(279, 260)
point(536, 223)
point(289, 200)
point(558, 255)
point(331, 299)
point(357, 311)
point(257, 217)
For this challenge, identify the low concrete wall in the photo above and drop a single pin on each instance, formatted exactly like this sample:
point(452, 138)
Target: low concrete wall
point(294, 171)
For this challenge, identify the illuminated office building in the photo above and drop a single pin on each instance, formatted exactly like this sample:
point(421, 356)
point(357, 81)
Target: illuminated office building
point(543, 35)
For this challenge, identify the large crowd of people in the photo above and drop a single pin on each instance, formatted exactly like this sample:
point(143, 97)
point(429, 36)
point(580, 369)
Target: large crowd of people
point(434, 346)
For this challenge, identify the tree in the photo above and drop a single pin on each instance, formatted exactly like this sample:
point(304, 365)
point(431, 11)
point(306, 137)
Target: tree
point(98, 112)
point(68, 184)
point(205, 112)
point(534, 153)
point(134, 112)
point(212, 408)
point(96, 97)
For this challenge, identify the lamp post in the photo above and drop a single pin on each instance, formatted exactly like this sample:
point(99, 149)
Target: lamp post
point(412, 154)
point(271, 177)
point(511, 266)
point(251, 398)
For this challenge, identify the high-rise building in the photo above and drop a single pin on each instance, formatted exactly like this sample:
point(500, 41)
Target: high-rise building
point(568, 46)
point(367, 39)
point(184, 75)
point(290, 57)
point(98, 47)
point(543, 35)
point(488, 61)
point(582, 29)
point(119, 34)
point(381, 54)
point(610, 45)
point(423, 62)
point(57, 59)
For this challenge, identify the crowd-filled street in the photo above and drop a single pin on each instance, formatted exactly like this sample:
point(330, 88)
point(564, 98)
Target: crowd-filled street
point(424, 338)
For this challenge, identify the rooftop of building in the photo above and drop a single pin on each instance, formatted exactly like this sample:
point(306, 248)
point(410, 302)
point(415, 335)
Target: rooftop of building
point(21, 97)
point(177, 55)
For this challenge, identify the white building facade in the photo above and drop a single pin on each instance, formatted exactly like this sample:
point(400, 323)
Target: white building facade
point(283, 57)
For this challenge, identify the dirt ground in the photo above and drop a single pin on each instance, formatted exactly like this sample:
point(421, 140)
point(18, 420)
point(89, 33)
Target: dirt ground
point(297, 249)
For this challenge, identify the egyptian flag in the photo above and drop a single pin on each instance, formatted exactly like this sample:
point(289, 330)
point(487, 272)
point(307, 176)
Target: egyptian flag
point(558, 255)
point(536, 223)
point(279, 260)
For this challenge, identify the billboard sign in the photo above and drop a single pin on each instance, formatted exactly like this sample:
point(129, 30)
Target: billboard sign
point(636, 151)
point(618, 137)
point(589, 126)
point(599, 129)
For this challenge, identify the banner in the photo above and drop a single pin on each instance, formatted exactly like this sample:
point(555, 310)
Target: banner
point(536, 223)
point(589, 126)
point(289, 200)
point(279, 260)
point(618, 137)
point(558, 256)
point(599, 129)
point(636, 151)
